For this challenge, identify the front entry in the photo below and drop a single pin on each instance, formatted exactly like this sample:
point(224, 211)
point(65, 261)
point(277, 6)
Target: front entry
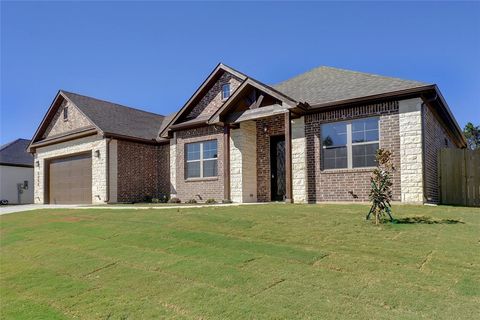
point(277, 167)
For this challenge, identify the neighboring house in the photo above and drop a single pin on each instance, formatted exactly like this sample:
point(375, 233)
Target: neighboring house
point(16, 172)
point(309, 139)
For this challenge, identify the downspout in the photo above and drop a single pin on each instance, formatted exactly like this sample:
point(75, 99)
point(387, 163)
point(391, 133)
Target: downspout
point(107, 170)
point(423, 114)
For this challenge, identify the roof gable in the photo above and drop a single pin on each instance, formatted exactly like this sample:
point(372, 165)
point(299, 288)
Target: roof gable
point(76, 120)
point(103, 117)
point(327, 84)
point(194, 105)
point(15, 153)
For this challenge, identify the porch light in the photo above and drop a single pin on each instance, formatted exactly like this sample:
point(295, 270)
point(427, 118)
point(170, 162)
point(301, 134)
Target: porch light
point(37, 163)
point(97, 153)
point(265, 128)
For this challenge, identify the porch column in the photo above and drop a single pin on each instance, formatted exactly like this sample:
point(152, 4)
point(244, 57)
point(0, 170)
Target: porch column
point(226, 162)
point(288, 158)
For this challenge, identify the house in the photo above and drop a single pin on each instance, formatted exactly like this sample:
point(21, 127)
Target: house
point(311, 138)
point(16, 173)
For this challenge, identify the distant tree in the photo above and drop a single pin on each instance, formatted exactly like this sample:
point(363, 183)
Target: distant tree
point(381, 186)
point(472, 133)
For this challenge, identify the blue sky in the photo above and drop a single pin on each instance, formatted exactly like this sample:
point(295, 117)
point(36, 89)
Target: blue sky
point(153, 55)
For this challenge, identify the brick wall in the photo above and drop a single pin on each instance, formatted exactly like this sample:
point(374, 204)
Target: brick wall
point(199, 189)
point(275, 126)
point(436, 138)
point(143, 171)
point(212, 100)
point(334, 185)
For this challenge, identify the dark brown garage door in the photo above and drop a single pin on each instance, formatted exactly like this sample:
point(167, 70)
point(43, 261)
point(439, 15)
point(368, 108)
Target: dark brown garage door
point(70, 180)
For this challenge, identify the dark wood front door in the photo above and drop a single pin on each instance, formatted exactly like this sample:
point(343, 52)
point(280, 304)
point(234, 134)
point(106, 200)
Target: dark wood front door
point(277, 167)
point(70, 180)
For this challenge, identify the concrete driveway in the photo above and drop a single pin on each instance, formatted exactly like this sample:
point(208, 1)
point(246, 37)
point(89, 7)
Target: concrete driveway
point(28, 207)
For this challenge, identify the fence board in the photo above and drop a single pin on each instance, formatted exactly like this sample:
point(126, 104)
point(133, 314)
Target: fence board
point(459, 177)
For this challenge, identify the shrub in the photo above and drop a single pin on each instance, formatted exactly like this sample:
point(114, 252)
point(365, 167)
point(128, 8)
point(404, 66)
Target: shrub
point(381, 186)
point(191, 201)
point(174, 200)
point(155, 200)
point(210, 201)
point(163, 198)
point(227, 201)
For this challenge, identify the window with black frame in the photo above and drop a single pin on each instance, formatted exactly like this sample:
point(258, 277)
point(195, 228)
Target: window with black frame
point(350, 144)
point(201, 159)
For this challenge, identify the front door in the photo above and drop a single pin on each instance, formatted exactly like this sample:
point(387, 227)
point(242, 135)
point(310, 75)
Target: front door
point(277, 167)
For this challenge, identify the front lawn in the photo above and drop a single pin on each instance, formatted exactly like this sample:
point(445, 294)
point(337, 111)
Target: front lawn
point(264, 262)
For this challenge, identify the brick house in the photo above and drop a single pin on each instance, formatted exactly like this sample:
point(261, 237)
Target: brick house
point(311, 138)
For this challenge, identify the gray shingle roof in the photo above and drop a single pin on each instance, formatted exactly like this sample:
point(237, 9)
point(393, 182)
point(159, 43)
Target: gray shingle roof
point(327, 84)
point(117, 119)
point(15, 153)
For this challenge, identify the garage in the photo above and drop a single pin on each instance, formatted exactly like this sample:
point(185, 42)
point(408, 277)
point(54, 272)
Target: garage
point(70, 179)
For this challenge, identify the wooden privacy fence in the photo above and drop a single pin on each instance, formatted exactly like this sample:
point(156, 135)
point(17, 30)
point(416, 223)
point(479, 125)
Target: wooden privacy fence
point(459, 177)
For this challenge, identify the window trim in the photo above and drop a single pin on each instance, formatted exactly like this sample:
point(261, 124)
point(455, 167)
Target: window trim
point(349, 144)
point(201, 160)
point(229, 91)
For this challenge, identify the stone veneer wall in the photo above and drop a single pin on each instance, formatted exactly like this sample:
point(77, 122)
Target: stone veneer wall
point(199, 189)
point(436, 138)
point(299, 161)
point(275, 126)
point(143, 171)
point(99, 165)
point(349, 184)
point(411, 153)
point(76, 120)
point(173, 166)
point(243, 160)
point(212, 100)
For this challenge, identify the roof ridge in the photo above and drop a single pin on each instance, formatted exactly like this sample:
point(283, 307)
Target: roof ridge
point(8, 144)
point(346, 71)
point(113, 103)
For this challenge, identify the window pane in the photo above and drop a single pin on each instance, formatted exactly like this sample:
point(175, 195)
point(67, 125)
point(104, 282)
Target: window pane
point(364, 155)
point(210, 149)
point(335, 158)
point(193, 169)
point(371, 135)
point(225, 91)
point(193, 151)
point(210, 168)
point(334, 134)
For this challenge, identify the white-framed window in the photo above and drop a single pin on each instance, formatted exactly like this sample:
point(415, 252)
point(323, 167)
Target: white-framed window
point(225, 91)
point(201, 159)
point(350, 144)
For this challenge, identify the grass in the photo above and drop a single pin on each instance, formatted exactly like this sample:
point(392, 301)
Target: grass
point(264, 262)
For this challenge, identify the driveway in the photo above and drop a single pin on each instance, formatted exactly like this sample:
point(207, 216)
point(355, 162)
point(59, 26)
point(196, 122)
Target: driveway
point(28, 207)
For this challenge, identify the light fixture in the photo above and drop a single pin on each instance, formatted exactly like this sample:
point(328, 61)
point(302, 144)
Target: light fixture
point(37, 163)
point(97, 153)
point(265, 128)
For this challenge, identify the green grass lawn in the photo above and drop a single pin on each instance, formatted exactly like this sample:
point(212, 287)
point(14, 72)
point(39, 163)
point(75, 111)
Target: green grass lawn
point(248, 262)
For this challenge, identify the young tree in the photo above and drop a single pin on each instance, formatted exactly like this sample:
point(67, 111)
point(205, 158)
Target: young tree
point(381, 186)
point(472, 133)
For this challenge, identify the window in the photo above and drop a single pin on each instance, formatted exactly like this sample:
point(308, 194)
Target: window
point(225, 91)
point(201, 159)
point(350, 144)
point(65, 114)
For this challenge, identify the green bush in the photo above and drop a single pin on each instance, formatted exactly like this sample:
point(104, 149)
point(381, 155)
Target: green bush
point(191, 201)
point(210, 201)
point(227, 201)
point(174, 200)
